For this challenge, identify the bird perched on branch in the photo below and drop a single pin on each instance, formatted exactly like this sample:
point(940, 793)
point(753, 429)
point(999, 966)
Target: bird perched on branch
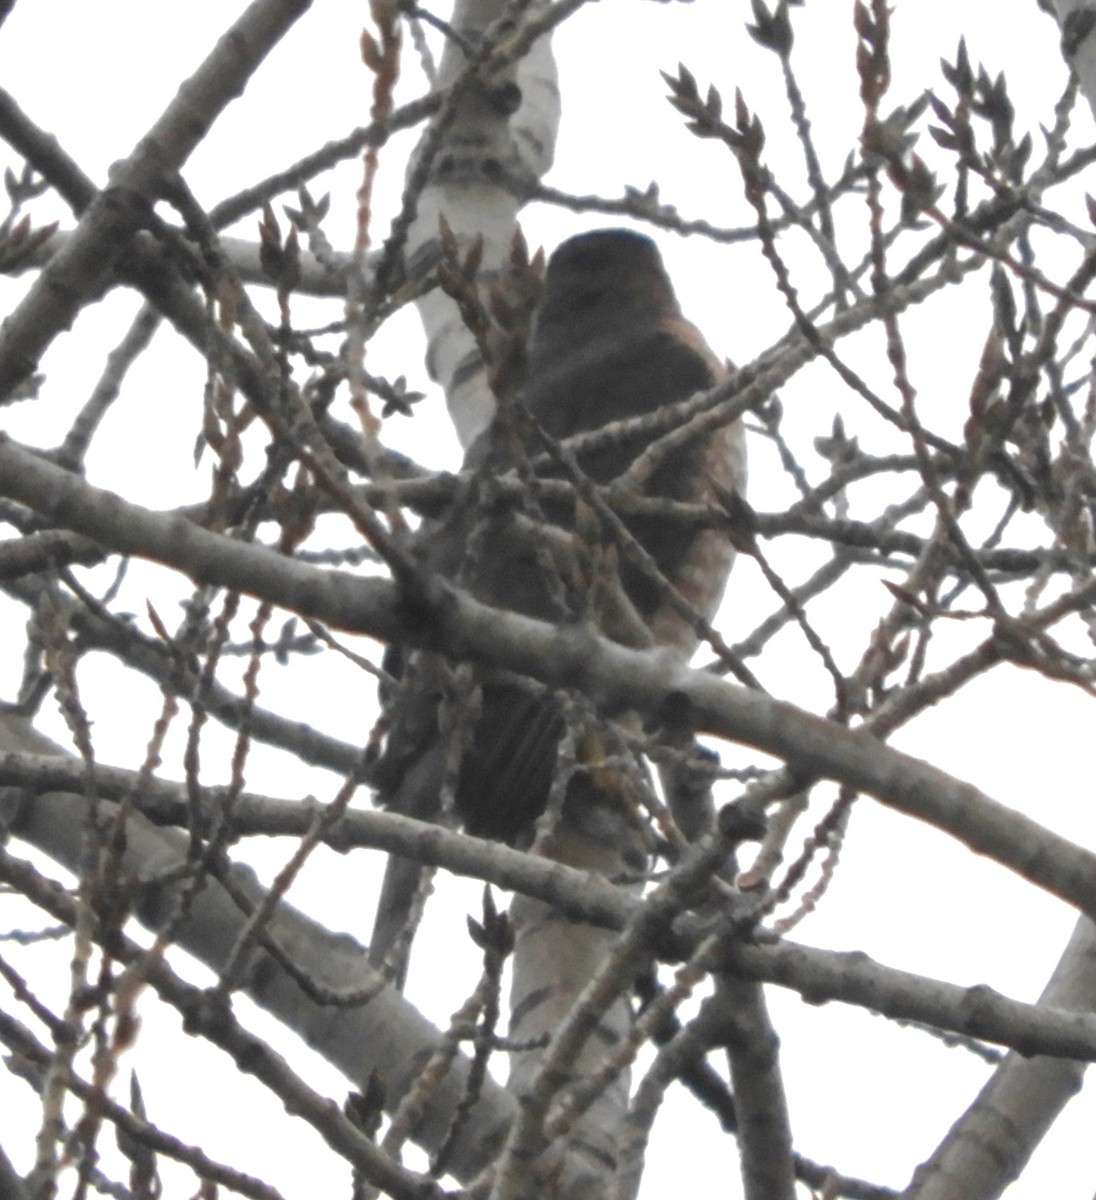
point(609, 344)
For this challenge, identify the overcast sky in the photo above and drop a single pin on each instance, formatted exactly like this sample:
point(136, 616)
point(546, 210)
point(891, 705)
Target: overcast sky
point(97, 75)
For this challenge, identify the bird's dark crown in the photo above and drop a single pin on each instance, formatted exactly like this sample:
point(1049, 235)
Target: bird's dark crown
point(615, 267)
point(605, 248)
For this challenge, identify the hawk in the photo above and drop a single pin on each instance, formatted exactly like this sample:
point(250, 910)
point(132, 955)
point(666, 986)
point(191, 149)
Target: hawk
point(608, 344)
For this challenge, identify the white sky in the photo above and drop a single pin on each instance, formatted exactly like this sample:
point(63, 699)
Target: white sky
point(868, 1098)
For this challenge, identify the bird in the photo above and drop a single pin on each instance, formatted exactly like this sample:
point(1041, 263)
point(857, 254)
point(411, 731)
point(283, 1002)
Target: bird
point(608, 344)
